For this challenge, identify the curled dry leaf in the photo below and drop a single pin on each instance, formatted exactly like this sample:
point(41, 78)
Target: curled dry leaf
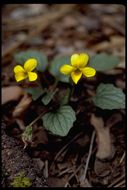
point(20, 123)
point(11, 93)
point(105, 146)
point(14, 93)
point(22, 105)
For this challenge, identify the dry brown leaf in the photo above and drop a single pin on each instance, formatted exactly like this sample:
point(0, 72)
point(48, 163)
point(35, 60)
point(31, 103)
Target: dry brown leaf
point(105, 146)
point(113, 120)
point(101, 169)
point(11, 93)
point(102, 46)
point(39, 136)
point(120, 83)
point(20, 123)
point(22, 106)
point(86, 183)
point(117, 41)
point(57, 182)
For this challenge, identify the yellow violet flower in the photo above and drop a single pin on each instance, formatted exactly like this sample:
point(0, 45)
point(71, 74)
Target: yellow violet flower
point(78, 67)
point(22, 73)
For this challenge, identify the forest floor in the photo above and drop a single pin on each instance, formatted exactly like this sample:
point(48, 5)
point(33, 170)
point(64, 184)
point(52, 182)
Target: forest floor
point(52, 161)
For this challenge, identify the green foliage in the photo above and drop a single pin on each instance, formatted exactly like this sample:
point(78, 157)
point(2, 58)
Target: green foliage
point(64, 99)
point(41, 58)
point(103, 62)
point(61, 121)
point(55, 65)
point(35, 92)
point(109, 97)
point(27, 134)
point(48, 97)
point(21, 181)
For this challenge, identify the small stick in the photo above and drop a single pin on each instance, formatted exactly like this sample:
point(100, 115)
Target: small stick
point(37, 118)
point(83, 177)
point(122, 158)
point(73, 175)
point(46, 169)
point(59, 153)
point(120, 183)
point(65, 171)
point(117, 180)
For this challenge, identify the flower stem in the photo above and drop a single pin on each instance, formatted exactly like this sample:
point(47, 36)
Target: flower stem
point(37, 118)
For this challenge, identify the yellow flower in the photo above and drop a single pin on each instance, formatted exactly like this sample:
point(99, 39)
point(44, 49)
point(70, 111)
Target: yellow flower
point(22, 73)
point(78, 67)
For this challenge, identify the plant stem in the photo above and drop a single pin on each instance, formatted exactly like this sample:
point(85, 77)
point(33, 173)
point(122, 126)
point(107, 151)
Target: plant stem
point(37, 118)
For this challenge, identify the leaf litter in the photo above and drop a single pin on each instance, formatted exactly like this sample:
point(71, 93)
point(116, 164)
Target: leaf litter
point(63, 161)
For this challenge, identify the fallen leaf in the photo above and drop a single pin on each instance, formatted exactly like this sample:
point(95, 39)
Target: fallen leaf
point(105, 146)
point(11, 93)
point(57, 182)
point(102, 169)
point(115, 118)
point(20, 123)
point(39, 136)
point(22, 106)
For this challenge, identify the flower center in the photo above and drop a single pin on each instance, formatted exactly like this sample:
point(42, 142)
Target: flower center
point(77, 71)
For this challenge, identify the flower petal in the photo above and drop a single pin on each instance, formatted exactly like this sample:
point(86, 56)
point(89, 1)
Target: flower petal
point(88, 71)
point(18, 69)
point(83, 60)
point(66, 69)
point(30, 65)
point(20, 76)
point(32, 76)
point(76, 75)
point(74, 60)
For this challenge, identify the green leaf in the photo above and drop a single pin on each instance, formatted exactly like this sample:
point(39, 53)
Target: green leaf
point(109, 97)
point(103, 62)
point(55, 65)
point(27, 134)
point(41, 58)
point(48, 97)
point(36, 92)
point(64, 99)
point(61, 122)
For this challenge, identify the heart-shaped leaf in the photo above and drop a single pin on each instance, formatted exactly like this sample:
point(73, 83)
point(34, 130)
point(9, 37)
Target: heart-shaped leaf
point(109, 97)
point(41, 58)
point(55, 65)
point(60, 122)
point(103, 62)
point(36, 92)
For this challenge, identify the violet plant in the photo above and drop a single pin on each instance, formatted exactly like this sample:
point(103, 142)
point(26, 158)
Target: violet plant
point(59, 119)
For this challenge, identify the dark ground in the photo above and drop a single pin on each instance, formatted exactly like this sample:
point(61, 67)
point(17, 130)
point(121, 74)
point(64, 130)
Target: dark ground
point(79, 28)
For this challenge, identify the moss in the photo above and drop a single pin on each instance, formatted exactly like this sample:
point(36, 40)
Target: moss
point(21, 181)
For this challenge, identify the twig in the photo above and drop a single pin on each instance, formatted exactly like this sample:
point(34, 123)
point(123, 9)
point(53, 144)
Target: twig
point(120, 183)
point(83, 177)
point(73, 175)
point(37, 118)
point(67, 170)
point(122, 158)
point(117, 180)
point(46, 169)
point(59, 153)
